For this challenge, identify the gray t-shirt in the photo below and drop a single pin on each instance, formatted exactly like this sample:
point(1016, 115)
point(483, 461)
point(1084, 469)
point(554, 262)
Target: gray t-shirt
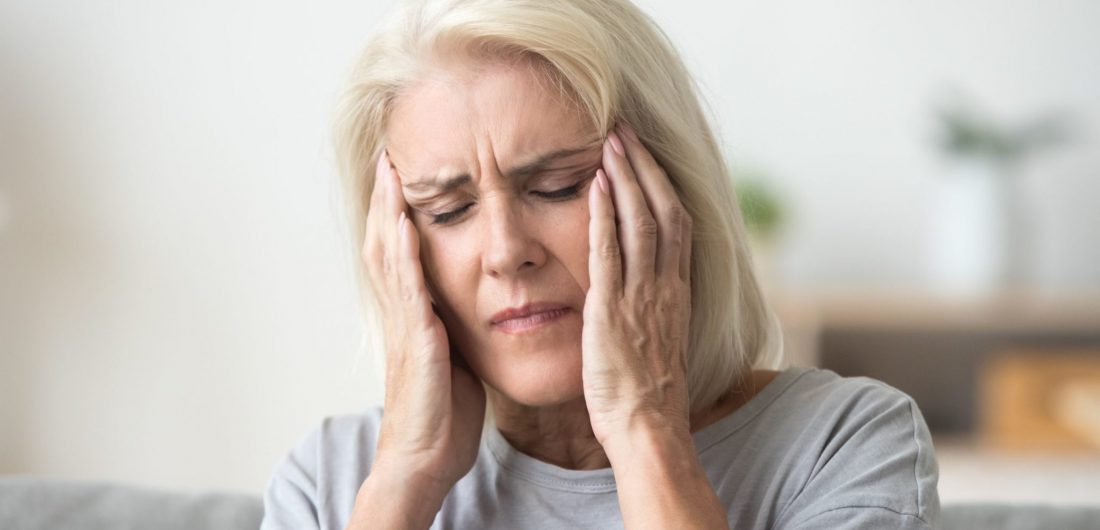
point(812, 450)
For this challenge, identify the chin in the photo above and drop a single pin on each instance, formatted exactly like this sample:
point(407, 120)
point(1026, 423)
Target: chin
point(538, 380)
point(537, 369)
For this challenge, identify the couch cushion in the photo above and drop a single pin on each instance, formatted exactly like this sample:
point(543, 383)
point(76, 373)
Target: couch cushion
point(1019, 517)
point(31, 503)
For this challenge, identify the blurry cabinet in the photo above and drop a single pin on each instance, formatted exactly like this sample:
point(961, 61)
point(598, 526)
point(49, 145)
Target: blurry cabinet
point(938, 349)
point(1041, 399)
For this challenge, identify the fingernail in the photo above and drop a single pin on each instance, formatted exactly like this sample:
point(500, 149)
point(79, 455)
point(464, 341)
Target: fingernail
point(616, 144)
point(601, 179)
point(401, 223)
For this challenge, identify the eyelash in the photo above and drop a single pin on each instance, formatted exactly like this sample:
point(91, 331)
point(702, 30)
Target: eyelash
point(558, 195)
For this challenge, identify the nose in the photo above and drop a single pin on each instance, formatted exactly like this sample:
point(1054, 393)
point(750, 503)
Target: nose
point(511, 249)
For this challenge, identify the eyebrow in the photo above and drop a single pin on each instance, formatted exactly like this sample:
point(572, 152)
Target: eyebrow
point(446, 184)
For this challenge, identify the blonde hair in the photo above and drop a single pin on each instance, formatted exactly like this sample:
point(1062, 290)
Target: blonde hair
point(616, 64)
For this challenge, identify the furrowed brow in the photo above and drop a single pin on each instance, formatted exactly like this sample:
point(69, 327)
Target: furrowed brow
point(523, 171)
point(542, 162)
point(442, 184)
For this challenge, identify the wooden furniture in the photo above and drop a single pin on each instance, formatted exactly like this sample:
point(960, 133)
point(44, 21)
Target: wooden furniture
point(934, 346)
point(1041, 399)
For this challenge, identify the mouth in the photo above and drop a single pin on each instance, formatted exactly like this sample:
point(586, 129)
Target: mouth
point(529, 317)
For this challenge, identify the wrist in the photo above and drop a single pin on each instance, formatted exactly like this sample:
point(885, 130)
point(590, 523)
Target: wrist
point(410, 477)
point(395, 497)
point(650, 440)
point(662, 483)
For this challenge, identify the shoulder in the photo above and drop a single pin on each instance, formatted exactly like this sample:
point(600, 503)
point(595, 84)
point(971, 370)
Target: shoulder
point(822, 397)
point(321, 474)
point(337, 437)
point(821, 383)
point(868, 448)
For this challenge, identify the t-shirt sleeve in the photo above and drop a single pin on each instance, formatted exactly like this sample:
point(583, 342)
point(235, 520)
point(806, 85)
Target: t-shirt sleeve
point(874, 466)
point(290, 498)
point(864, 517)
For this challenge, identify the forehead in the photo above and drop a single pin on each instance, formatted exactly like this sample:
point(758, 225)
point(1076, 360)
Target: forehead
point(459, 119)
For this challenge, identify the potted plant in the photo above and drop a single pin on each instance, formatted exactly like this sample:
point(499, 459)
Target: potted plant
point(980, 225)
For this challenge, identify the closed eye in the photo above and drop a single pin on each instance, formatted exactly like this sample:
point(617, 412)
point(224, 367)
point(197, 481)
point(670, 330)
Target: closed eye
point(446, 217)
point(562, 194)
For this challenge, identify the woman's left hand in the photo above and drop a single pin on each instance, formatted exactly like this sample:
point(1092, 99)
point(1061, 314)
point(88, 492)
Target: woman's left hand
point(638, 306)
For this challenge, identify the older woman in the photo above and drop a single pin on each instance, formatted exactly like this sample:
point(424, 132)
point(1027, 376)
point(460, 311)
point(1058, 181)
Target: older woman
point(572, 331)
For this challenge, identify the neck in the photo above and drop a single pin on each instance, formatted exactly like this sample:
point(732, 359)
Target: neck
point(561, 434)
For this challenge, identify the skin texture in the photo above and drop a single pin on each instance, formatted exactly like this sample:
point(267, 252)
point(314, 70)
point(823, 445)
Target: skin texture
point(605, 382)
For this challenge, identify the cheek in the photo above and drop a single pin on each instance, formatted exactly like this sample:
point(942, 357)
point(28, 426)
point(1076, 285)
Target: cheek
point(445, 259)
point(570, 236)
point(582, 273)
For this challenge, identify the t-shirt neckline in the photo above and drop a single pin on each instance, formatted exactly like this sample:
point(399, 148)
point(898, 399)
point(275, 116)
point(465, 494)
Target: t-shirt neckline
point(548, 475)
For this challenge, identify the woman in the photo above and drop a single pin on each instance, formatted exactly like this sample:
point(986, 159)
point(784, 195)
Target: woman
point(549, 236)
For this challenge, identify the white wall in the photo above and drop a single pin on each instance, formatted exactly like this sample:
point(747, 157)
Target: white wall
point(176, 296)
point(176, 305)
point(836, 99)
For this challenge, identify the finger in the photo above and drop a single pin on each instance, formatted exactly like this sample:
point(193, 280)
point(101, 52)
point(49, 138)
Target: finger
point(393, 204)
point(605, 266)
point(637, 226)
point(663, 201)
point(377, 194)
point(403, 251)
point(377, 190)
point(685, 251)
point(372, 240)
point(410, 273)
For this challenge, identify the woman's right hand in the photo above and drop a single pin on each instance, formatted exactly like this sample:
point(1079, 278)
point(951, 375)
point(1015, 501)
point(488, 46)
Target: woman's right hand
point(434, 409)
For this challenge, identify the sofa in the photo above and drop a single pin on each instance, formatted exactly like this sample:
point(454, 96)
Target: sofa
point(30, 503)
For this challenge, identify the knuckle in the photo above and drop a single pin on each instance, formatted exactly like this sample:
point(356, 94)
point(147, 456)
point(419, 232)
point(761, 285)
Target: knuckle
point(677, 215)
point(646, 225)
point(408, 297)
point(635, 291)
point(609, 250)
point(671, 303)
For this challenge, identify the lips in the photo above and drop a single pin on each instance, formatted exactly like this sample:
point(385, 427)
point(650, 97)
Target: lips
point(526, 310)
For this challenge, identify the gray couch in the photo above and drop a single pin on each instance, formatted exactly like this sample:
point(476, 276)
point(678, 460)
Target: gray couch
point(28, 503)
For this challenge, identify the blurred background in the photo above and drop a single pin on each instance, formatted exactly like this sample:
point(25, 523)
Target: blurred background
point(176, 302)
